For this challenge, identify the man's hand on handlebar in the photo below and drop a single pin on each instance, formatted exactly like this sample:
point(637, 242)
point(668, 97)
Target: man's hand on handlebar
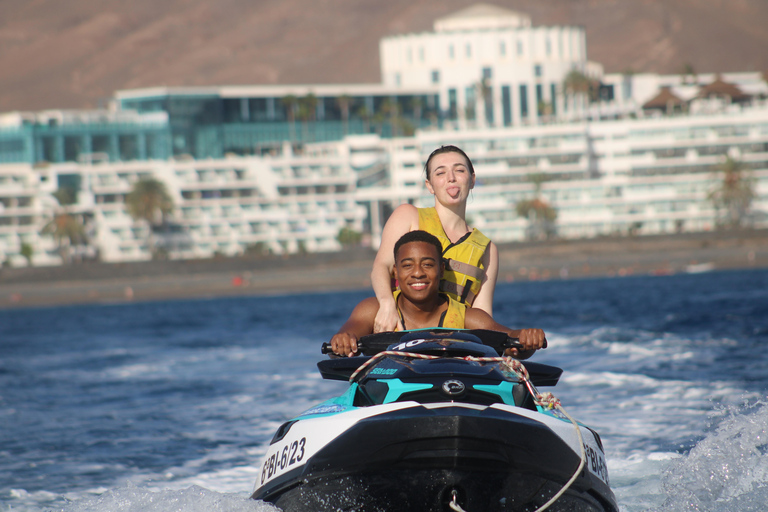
point(344, 344)
point(529, 340)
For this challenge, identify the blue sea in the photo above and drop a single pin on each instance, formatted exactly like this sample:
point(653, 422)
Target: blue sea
point(169, 406)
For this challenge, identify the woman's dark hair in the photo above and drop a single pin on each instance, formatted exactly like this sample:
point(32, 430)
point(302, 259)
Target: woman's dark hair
point(419, 236)
point(448, 149)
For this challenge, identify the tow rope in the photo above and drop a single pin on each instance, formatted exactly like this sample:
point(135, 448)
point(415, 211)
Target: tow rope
point(512, 365)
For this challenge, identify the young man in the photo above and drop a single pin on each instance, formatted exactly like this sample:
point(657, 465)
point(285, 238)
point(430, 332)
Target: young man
point(419, 304)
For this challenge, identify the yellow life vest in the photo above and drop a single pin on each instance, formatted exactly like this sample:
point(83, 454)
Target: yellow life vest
point(452, 318)
point(464, 270)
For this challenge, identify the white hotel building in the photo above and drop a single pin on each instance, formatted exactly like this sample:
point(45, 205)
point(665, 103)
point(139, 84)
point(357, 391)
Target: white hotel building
point(249, 169)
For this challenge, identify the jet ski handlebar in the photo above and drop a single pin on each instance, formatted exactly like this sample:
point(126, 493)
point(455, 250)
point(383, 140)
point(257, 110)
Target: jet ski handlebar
point(374, 343)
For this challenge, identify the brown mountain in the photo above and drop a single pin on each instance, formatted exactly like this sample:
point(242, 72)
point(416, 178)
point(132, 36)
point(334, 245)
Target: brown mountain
point(76, 53)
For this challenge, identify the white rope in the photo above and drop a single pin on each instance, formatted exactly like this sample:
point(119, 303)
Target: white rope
point(549, 400)
point(578, 469)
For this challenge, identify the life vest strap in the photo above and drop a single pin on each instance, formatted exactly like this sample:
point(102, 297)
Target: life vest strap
point(464, 293)
point(468, 270)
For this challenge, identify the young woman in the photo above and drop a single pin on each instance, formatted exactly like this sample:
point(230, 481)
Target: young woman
point(472, 260)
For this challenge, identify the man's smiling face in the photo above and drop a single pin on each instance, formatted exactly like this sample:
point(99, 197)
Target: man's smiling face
point(418, 269)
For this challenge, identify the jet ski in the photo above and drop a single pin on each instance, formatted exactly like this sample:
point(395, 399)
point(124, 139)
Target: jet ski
point(436, 420)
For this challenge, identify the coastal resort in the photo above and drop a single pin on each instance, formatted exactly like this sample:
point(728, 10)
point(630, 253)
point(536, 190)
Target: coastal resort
point(283, 169)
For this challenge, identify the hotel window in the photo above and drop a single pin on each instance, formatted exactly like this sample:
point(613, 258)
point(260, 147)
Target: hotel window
point(468, 50)
point(520, 48)
point(523, 100)
point(450, 52)
point(548, 47)
point(537, 71)
point(487, 73)
point(452, 104)
point(421, 54)
point(506, 105)
point(435, 76)
point(502, 48)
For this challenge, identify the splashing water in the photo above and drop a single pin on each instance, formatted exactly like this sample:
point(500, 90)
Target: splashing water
point(727, 470)
point(192, 499)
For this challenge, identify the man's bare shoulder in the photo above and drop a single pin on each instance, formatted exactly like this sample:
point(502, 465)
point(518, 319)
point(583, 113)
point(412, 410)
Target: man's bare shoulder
point(475, 318)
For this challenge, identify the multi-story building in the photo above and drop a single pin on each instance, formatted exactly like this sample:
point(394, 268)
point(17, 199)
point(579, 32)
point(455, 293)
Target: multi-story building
point(489, 67)
point(285, 168)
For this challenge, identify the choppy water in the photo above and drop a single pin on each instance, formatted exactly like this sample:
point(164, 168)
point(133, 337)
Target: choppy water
point(168, 406)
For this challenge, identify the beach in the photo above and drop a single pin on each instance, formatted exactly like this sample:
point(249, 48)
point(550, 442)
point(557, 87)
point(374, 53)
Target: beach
point(92, 282)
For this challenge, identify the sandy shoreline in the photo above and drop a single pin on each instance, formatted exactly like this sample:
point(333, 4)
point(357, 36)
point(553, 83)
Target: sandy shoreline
point(613, 257)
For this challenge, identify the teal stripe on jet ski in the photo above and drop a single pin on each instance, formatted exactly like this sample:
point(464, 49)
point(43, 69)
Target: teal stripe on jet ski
point(396, 387)
point(503, 390)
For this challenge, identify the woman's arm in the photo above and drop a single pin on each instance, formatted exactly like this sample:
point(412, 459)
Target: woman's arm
point(484, 299)
point(405, 218)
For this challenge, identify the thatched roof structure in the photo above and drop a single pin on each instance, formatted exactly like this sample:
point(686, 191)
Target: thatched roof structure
point(722, 89)
point(665, 100)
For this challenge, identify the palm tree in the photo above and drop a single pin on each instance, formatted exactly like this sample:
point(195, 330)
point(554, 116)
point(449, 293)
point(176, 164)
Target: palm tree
point(290, 102)
point(485, 95)
point(27, 251)
point(149, 200)
point(66, 196)
point(389, 108)
point(349, 237)
point(364, 114)
point(68, 232)
point(687, 72)
point(343, 101)
point(541, 216)
point(580, 85)
point(306, 112)
point(417, 106)
point(66, 229)
point(732, 197)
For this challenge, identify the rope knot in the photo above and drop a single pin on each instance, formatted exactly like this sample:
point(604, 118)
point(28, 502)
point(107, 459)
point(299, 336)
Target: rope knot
point(547, 400)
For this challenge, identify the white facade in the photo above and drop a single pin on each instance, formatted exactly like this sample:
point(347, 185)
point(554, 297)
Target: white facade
point(489, 65)
point(644, 176)
point(284, 204)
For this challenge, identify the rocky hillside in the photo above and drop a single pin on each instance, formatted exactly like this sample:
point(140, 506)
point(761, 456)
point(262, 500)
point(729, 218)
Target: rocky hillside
point(76, 53)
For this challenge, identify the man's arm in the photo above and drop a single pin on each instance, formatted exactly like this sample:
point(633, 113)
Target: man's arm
point(359, 323)
point(530, 339)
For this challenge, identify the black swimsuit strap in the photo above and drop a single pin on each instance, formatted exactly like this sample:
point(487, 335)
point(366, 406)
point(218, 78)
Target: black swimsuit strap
point(400, 313)
point(402, 318)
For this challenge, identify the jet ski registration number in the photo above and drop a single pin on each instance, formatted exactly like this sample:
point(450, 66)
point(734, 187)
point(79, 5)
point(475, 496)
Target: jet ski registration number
point(282, 459)
point(596, 463)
